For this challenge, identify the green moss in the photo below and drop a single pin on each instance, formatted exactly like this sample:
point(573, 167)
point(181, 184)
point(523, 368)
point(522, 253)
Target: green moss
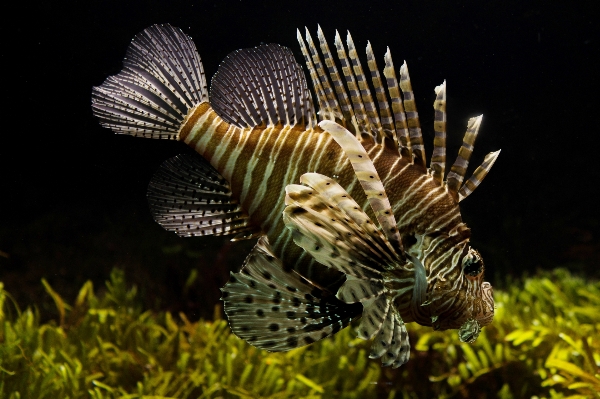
point(544, 341)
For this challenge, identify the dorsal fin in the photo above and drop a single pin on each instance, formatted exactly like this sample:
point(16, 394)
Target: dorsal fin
point(457, 173)
point(365, 92)
point(333, 107)
point(324, 108)
point(263, 85)
point(399, 123)
point(359, 108)
point(336, 80)
point(360, 114)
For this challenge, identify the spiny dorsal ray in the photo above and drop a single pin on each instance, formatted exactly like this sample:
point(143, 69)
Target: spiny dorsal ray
point(397, 107)
point(387, 122)
point(359, 107)
point(363, 87)
point(321, 99)
point(412, 116)
point(478, 176)
point(332, 103)
point(438, 158)
point(459, 168)
point(336, 80)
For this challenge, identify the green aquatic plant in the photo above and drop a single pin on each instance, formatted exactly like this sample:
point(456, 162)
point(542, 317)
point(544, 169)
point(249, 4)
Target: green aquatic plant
point(108, 347)
point(543, 342)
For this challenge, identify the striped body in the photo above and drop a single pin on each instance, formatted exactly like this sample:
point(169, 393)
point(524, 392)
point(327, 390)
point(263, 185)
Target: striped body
point(260, 162)
point(370, 231)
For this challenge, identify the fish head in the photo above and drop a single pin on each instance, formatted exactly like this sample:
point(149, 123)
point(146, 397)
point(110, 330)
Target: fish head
point(466, 302)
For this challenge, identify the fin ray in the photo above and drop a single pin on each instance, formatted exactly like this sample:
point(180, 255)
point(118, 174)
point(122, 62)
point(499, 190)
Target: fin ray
point(333, 108)
point(365, 92)
point(369, 180)
point(318, 87)
point(459, 168)
point(397, 107)
point(412, 117)
point(438, 158)
point(359, 109)
point(336, 81)
point(387, 122)
point(478, 176)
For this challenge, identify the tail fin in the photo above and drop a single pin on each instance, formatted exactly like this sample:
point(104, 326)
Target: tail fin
point(162, 78)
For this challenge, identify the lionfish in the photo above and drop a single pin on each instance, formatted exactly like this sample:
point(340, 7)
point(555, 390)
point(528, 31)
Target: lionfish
point(370, 230)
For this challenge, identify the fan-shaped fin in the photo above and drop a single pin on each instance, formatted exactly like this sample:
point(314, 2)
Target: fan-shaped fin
point(261, 85)
point(190, 198)
point(162, 78)
point(277, 310)
point(333, 237)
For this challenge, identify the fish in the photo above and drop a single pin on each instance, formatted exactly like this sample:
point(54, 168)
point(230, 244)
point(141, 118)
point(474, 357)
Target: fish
point(350, 221)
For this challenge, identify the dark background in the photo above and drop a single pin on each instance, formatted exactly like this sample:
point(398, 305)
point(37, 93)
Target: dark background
point(73, 194)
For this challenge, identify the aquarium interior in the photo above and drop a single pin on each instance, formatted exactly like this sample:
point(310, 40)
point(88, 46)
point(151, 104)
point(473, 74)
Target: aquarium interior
point(96, 300)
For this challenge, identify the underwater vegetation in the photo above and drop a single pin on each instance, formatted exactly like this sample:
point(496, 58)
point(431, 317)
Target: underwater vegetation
point(544, 342)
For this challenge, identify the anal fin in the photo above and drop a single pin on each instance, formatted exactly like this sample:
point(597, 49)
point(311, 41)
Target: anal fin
point(190, 198)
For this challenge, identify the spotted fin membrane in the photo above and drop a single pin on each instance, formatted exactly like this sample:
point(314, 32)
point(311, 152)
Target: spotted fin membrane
point(279, 310)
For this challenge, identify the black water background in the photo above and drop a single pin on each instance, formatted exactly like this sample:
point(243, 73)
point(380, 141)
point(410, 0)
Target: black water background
point(72, 195)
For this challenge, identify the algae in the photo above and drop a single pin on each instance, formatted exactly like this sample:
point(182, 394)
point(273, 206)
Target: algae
point(543, 343)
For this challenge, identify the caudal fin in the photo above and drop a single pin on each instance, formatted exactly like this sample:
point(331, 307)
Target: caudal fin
point(162, 78)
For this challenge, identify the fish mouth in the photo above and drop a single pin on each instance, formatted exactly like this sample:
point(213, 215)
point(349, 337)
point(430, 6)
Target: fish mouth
point(486, 315)
point(469, 331)
point(473, 313)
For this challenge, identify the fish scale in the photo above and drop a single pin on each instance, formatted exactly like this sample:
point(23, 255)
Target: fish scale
point(370, 230)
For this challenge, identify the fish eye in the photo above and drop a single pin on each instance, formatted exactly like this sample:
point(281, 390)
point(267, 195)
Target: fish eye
point(472, 263)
